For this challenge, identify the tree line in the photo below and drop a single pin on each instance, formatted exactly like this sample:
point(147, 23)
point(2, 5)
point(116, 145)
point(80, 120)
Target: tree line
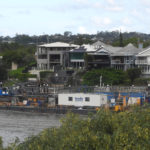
point(111, 38)
point(22, 55)
point(111, 76)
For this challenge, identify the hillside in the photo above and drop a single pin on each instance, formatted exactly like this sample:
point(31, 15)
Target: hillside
point(106, 37)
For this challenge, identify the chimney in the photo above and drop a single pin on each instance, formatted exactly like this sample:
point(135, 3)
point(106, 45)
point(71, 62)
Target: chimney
point(140, 46)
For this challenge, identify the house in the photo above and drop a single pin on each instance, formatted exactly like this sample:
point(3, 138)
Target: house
point(76, 57)
point(124, 58)
point(143, 61)
point(102, 55)
point(97, 55)
point(53, 54)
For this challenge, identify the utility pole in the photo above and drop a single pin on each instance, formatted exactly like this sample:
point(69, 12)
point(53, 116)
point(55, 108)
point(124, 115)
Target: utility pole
point(100, 84)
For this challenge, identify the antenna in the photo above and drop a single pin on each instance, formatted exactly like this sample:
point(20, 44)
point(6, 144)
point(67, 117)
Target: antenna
point(47, 39)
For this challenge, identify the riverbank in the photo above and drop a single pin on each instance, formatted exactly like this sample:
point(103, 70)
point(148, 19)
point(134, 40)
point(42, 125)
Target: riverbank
point(54, 110)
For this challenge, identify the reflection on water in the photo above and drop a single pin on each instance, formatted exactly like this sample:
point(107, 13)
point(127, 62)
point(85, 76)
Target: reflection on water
point(22, 125)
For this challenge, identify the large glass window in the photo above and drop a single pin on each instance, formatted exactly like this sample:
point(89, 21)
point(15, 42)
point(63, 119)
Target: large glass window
point(77, 55)
point(54, 58)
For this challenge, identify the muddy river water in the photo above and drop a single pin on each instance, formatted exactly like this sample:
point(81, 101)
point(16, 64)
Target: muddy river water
point(22, 125)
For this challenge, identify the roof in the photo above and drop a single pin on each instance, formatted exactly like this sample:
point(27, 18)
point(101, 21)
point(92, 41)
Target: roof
point(89, 48)
point(145, 52)
point(85, 48)
point(102, 48)
point(80, 49)
point(129, 50)
point(109, 48)
point(58, 44)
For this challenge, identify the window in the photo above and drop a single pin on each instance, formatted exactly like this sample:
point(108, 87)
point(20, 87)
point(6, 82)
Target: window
point(42, 56)
point(87, 99)
point(70, 98)
point(54, 57)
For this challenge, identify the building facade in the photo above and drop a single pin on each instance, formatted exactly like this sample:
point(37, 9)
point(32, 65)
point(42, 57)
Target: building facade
point(76, 57)
point(97, 55)
point(125, 57)
point(53, 54)
point(143, 62)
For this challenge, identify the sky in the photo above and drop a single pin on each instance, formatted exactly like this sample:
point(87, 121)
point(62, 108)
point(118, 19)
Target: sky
point(38, 17)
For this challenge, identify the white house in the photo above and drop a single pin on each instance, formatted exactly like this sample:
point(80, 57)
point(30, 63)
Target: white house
point(53, 54)
point(143, 62)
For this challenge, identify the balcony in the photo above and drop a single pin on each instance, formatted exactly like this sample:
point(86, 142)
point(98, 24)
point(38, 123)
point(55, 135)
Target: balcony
point(99, 62)
point(117, 62)
point(141, 62)
point(54, 60)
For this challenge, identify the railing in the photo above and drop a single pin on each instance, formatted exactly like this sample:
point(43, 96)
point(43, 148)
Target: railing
point(42, 69)
point(55, 60)
point(145, 72)
point(92, 89)
point(141, 62)
point(117, 62)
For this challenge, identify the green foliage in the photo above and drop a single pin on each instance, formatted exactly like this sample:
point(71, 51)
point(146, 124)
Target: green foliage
point(17, 74)
point(44, 74)
point(3, 73)
point(129, 130)
point(146, 43)
point(109, 76)
point(1, 143)
point(134, 74)
point(22, 55)
point(141, 81)
point(87, 58)
point(114, 77)
point(121, 40)
point(133, 40)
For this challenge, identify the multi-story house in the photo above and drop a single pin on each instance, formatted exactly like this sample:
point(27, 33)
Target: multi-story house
point(76, 57)
point(143, 62)
point(124, 58)
point(101, 55)
point(89, 56)
point(99, 58)
point(53, 54)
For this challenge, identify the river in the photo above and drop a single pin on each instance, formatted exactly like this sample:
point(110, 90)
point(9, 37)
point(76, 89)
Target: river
point(22, 125)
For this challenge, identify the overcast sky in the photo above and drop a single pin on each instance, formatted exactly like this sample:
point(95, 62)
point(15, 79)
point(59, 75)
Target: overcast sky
point(36, 17)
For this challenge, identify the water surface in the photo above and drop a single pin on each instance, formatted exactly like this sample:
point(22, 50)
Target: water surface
point(24, 124)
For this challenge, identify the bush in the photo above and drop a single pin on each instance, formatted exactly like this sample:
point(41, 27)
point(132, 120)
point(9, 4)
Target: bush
point(44, 74)
point(17, 74)
point(106, 130)
point(141, 81)
point(109, 76)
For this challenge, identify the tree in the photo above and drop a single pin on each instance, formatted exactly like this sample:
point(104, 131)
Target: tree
point(87, 59)
point(22, 55)
point(3, 72)
point(134, 74)
point(121, 40)
point(110, 76)
point(67, 33)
